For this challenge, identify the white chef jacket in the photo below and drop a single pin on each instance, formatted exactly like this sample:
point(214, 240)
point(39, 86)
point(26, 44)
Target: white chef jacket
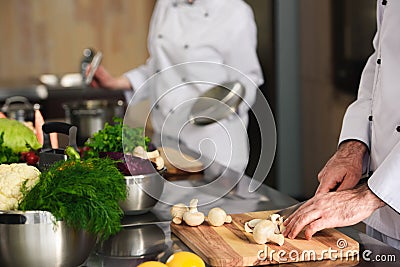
point(222, 32)
point(374, 118)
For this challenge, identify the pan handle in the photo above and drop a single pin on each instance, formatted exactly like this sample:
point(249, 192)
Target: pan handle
point(59, 127)
point(8, 218)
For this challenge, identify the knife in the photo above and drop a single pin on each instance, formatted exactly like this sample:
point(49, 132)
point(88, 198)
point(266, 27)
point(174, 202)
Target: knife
point(286, 212)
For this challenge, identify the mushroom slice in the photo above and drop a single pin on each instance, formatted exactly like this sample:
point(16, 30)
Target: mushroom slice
point(248, 226)
point(264, 232)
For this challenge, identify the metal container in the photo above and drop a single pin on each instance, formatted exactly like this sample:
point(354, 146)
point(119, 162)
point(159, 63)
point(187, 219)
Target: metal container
point(35, 239)
point(18, 108)
point(144, 192)
point(91, 115)
point(217, 103)
point(146, 240)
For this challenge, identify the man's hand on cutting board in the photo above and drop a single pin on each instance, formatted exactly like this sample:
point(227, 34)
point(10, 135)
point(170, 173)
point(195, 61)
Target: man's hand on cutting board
point(344, 169)
point(332, 209)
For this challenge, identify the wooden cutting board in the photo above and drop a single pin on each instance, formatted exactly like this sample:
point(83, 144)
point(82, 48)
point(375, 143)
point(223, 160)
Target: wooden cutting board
point(179, 163)
point(230, 245)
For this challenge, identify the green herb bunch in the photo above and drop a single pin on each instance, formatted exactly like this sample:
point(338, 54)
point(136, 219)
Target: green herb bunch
point(85, 194)
point(109, 139)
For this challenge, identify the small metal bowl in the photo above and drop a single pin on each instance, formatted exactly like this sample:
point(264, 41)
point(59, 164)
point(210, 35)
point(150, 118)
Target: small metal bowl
point(137, 241)
point(144, 191)
point(35, 239)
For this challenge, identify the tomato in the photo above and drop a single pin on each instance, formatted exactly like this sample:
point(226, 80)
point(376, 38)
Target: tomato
point(31, 158)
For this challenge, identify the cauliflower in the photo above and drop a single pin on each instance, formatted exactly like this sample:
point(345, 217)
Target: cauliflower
point(12, 177)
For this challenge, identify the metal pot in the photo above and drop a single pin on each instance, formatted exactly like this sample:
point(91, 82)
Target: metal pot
point(36, 239)
point(19, 108)
point(91, 115)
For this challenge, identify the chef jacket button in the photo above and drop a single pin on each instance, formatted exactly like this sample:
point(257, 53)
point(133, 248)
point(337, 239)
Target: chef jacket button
point(183, 79)
point(186, 46)
point(398, 129)
point(156, 106)
point(157, 70)
point(379, 61)
point(384, 2)
point(370, 118)
point(174, 4)
point(206, 14)
point(160, 36)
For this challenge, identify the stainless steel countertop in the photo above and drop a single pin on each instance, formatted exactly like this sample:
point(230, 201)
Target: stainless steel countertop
point(238, 200)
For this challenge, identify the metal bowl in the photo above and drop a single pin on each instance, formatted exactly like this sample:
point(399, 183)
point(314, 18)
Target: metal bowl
point(34, 238)
point(144, 191)
point(134, 242)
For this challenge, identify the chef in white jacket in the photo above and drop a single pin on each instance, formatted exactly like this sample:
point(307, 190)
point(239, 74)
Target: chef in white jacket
point(221, 36)
point(369, 142)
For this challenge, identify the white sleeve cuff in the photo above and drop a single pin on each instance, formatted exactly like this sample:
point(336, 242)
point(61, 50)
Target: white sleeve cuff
point(385, 182)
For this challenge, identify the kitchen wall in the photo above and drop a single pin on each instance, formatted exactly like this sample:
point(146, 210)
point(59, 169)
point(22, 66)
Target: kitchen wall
point(48, 36)
point(323, 105)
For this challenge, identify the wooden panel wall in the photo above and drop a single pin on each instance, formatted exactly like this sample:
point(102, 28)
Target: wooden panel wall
point(48, 36)
point(323, 106)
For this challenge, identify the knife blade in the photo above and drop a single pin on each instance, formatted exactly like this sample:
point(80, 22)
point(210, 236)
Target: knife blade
point(286, 212)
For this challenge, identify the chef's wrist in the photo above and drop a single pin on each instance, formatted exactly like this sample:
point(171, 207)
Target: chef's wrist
point(369, 197)
point(353, 148)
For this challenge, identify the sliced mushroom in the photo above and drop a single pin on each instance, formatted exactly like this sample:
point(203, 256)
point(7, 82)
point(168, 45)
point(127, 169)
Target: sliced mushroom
point(264, 232)
point(248, 226)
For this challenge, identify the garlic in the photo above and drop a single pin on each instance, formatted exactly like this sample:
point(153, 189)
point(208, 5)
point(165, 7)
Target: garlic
point(177, 212)
point(217, 217)
point(193, 217)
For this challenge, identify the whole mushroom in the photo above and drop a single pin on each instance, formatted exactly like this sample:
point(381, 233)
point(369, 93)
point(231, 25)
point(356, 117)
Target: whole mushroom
point(177, 212)
point(217, 217)
point(193, 217)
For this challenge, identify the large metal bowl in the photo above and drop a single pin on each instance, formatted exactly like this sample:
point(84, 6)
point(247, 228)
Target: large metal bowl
point(144, 192)
point(34, 239)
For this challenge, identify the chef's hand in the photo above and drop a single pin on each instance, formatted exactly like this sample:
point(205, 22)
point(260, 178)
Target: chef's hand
point(344, 169)
point(332, 209)
point(103, 79)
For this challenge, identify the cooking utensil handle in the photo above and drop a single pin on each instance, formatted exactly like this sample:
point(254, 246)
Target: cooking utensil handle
point(59, 127)
point(7, 218)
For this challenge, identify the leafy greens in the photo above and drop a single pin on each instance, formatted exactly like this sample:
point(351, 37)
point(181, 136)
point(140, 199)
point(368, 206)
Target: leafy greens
point(17, 136)
point(117, 138)
point(85, 194)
